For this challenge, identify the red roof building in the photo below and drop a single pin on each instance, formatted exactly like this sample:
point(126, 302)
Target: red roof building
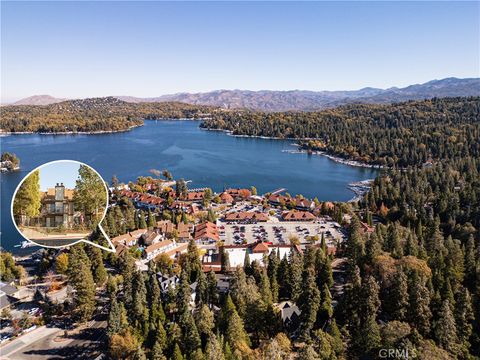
point(246, 216)
point(298, 216)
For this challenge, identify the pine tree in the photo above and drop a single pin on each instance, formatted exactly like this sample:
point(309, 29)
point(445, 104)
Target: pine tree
point(368, 335)
point(235, 333)
point(140, 355)
point(373, 248)
point(151, 219)
point(399, 296)
point(114, 318)
point(419, 313)
point(81, 279)
point(264, 287)
point(201, 290)
point(177, 353)
point(445, 328)
point(98, 269)
point(213, 350)
point(326, 308)
point(470, 263)
point(464, 315)
point(411, 247)
point(191, 339)
point(247, 263)
point(212, 294)
point(142, 224)
point(184, 294)
point(204, 320)
point(293, 280)
point(308, 303)
point(225, 259)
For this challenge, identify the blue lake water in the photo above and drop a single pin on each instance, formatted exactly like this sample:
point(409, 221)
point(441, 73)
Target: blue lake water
point(208, 158)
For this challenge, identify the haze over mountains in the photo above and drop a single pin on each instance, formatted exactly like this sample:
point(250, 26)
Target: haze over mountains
point(268, 100)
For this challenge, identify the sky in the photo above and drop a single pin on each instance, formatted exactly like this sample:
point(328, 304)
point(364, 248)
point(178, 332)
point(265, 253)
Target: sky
point(58, 172)
point(146, 49)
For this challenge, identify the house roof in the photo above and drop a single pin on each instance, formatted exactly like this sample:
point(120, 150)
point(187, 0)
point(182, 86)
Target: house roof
point(298, 215)
point(50, 194)
point(157, 246)
point(246, 215)
point(165, 226)
point(195, 195)
point(132, 235)
point(261, 247)
point(226, 198)
point(243, 193)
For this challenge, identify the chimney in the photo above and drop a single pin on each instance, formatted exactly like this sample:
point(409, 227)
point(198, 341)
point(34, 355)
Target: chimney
point(59, 192)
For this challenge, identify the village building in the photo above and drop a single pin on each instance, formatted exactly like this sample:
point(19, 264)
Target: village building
point(226, 198)
point(246, 217)
point(195, 196)
point(151, 237)
point(239, 194)
point(184, 232)
point(298, 203)
point(294, 215)
point(206, 232)
point(152, 251)
point(169, 229)
point(129, 239)
point(256, 251)
point(165, 227)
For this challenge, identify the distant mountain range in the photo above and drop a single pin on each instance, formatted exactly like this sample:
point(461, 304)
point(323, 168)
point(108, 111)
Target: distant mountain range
point(267, 100)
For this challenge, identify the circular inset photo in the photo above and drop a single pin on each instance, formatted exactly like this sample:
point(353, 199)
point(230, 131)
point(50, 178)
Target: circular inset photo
point(59, 203)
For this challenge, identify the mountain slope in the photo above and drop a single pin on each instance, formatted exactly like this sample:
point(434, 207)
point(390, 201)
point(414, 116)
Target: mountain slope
point(39, 100)
point(268, 100)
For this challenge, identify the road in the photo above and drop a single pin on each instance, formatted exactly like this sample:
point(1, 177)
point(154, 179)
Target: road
point(85, 342)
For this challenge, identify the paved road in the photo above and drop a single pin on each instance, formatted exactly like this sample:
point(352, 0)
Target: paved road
point(48, 343)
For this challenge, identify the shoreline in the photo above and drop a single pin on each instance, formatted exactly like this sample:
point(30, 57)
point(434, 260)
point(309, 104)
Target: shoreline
point(8, 133)
point(338, 159)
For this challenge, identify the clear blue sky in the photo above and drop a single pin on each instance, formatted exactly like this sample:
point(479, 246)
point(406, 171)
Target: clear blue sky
point(58, 172)
point(84, 49)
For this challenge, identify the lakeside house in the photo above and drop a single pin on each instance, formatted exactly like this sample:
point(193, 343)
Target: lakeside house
point(294, 203)
point(195, 196)
point(239, 194)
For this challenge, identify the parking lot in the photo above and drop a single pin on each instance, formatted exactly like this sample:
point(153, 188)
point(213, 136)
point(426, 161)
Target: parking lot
point(280, 232)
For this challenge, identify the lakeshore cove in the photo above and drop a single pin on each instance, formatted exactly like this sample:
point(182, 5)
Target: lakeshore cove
point(206, 158)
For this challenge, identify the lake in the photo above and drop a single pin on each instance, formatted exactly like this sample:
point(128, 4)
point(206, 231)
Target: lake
point(208, 158)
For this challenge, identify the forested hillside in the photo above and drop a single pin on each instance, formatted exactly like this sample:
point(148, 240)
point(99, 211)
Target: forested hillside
point(400, 134)
point(92, 115)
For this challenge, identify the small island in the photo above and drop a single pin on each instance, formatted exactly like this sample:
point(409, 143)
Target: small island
point(9, 162)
